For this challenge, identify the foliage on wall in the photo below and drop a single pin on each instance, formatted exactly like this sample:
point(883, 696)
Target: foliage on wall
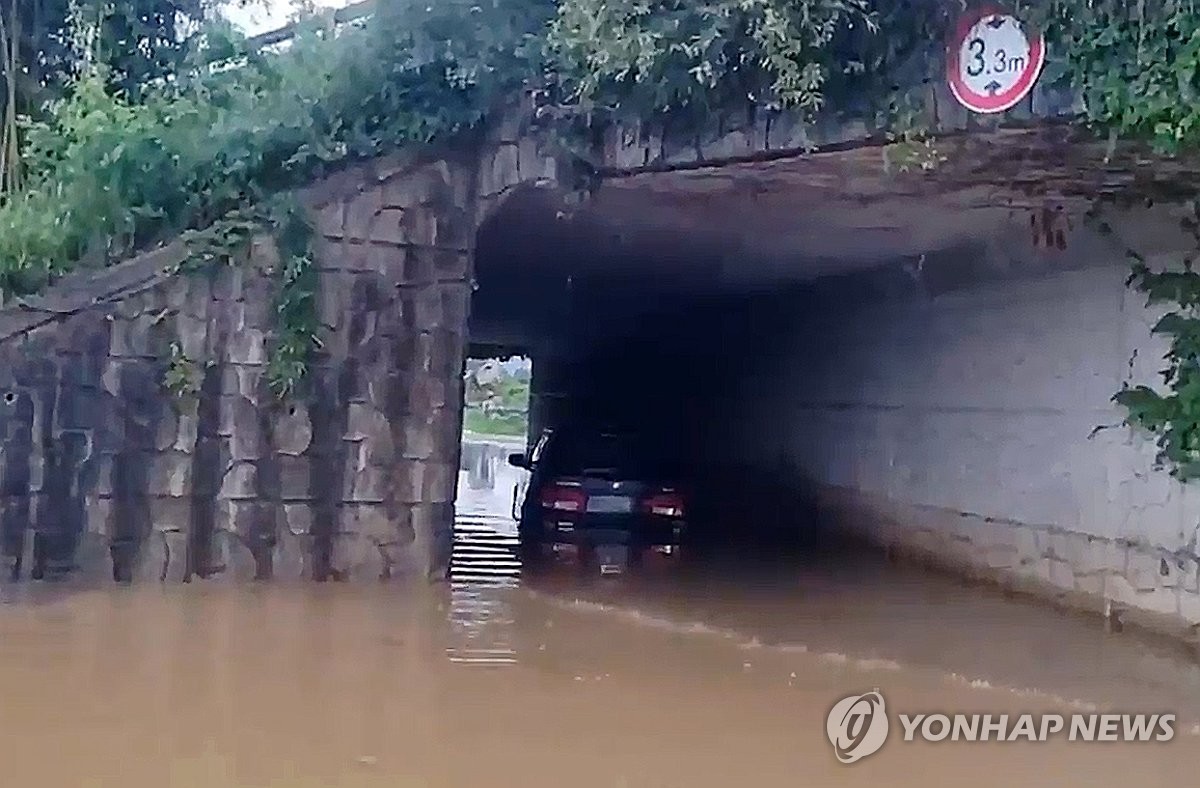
point(138, 41)
point(119, 163)
point(107, 174)
point(1136, 68)
point(668, 55)
point(1134, 63)
point(1173, 417)
point(685, 59)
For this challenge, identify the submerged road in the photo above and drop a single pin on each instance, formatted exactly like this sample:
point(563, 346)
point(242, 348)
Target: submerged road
point(356, 685)
point(720, 675)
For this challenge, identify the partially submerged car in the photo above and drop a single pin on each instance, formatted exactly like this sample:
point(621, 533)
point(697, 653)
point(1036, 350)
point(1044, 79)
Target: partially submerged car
point(607, 497)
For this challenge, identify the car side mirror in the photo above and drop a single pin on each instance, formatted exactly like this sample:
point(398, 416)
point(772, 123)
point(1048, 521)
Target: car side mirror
point(518, 461)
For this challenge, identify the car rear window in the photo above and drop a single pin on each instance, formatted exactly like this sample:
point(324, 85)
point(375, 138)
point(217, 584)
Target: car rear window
point(615, 453)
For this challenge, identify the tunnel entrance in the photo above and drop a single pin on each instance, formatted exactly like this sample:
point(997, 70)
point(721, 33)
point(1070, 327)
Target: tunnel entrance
point(842, 355)
point(495, 424)
point(686, 307)
point(672, 308)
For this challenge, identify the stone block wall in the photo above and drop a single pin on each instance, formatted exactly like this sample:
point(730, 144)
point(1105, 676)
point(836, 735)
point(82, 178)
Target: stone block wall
point(106, 472)
point(384, 412)
point(96, 464)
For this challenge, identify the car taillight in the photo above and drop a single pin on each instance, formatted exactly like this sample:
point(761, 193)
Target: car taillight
point(667, 503)
point(564, 497)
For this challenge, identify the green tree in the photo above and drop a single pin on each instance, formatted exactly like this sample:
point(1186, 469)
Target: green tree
point(138, 40)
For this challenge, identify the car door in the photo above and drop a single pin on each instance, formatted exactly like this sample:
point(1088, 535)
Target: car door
point(525, 500)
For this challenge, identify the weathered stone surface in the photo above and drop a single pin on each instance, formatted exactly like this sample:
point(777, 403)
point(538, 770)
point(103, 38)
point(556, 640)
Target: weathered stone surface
point(357, 557)
point(440, 480)
point(292, 558)
point(248, 346)
point(153, 560)
point(170, 513)
point(410, 480)
point(292, 430)
point(361, 214)
point(390, 227)
point(365, 422)
point(418, 440)
point(239, 482)
point(233, 559)
point(351, 478)
point(331, 220)
point(367, 484)
point(500, 170)
point(185, 433)
point(534, 163)
point(92, 561)
point(170, 475)
point(295, 477)
point(410, 189)
point(736, 143)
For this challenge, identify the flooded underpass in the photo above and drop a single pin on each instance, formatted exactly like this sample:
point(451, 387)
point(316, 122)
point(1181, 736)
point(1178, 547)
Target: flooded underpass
point(707, 674)
point(624, 684)
point(781, 324)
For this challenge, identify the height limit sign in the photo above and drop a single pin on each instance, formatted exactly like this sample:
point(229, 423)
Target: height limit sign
point(993, 61)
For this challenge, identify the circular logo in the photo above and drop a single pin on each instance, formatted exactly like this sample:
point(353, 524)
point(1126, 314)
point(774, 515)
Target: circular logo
point(992, 62)
point(857, 726)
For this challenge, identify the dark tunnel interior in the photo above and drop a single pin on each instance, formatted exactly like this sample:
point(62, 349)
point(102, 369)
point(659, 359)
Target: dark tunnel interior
point(648, 337)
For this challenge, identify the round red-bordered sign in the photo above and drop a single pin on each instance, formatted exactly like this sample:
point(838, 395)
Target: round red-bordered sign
point(992, 61)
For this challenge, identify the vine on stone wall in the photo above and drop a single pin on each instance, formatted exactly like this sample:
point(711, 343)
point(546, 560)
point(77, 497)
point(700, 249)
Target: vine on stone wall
point(673, 54)
point(297, 324)
point(182, 376)
point(227, 242)
point(224, 242)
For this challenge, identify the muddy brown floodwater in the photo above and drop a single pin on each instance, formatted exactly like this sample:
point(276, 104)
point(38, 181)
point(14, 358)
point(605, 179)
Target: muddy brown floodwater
point(715, 680)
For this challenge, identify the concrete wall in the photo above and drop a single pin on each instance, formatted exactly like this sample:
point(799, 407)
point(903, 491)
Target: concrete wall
point(959, 425)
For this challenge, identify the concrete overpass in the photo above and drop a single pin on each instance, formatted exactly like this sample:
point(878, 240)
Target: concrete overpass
point(925, 355)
